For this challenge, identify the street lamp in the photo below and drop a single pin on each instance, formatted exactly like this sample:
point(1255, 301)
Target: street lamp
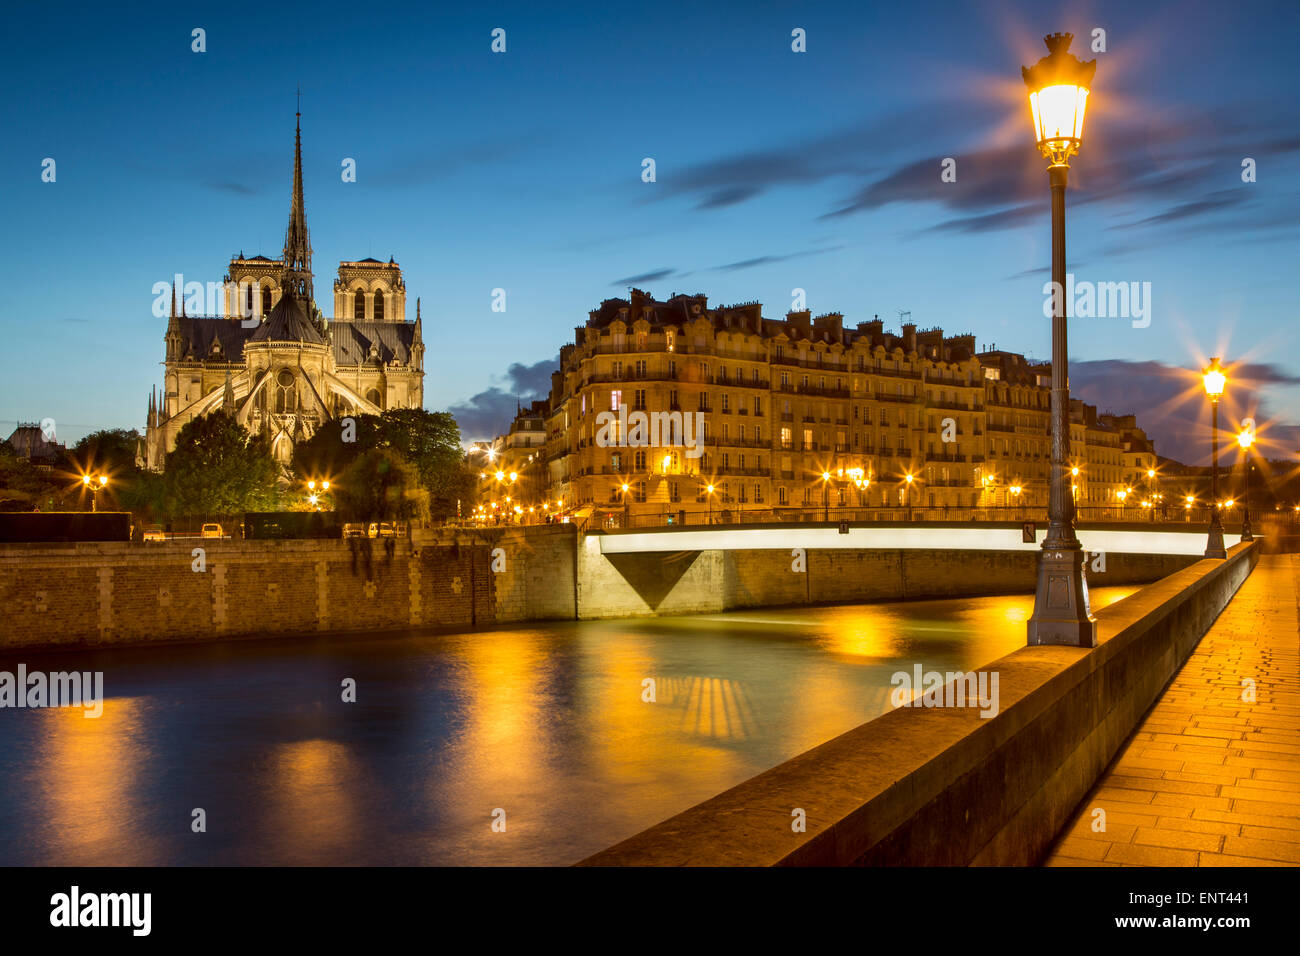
point(1058, 86)
point(1151, 491)
point(907, 494)
point(826, 496)
point(1015, 493)
point(95, 483)
point(709, 489)
point(1214, 381)
point(1246, 438)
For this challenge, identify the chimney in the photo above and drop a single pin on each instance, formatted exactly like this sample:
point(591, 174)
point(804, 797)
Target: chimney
point(909, 337)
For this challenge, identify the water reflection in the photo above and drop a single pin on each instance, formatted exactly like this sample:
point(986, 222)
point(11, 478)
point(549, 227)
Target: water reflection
point(548, 724)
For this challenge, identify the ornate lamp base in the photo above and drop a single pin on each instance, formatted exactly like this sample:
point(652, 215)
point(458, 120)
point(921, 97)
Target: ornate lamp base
point(1061, 612)
point(1214, 545)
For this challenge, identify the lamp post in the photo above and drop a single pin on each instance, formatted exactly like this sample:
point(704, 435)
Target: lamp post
point(95, 483)
point(1214, 381)
point(1245, 439)
point(1151, 491)
point(1015, 493)
point(907, 495)
point(1058, 87)
point(826, 496)
point(709, 490)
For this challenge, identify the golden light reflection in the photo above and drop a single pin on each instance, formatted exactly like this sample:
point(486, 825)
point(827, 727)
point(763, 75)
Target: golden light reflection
point(90, 772)
point(313, 805)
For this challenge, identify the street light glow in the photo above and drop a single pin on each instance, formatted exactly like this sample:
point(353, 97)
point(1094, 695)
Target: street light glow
point(1214, 379)
point(1058, 86)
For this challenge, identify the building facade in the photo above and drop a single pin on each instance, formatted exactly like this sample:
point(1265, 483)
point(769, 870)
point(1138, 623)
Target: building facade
point(275, 362)
point(800, 413)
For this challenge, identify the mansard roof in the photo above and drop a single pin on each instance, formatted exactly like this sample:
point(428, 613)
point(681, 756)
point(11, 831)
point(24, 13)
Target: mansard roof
point(351, 341)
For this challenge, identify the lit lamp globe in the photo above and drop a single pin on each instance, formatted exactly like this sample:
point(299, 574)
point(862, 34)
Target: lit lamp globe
point(1214, 380)
point(1058, 98)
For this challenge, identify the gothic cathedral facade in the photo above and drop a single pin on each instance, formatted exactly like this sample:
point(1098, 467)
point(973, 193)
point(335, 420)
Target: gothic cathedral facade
point(275, 362)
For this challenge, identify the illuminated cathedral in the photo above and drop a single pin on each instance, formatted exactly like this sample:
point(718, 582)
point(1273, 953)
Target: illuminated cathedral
point(274, 361)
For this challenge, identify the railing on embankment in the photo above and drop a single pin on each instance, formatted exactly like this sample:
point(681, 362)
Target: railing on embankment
point(945, 786)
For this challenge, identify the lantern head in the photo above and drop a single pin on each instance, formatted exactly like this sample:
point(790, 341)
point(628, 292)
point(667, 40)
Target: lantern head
point(1058, 96)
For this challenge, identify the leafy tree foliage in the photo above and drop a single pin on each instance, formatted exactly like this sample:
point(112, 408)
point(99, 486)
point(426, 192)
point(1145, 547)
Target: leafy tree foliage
point(423, 447)
point(218, 468)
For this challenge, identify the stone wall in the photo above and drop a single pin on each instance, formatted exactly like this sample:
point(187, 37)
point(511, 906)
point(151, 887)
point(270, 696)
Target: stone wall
point(129, 593)
point(68, 595)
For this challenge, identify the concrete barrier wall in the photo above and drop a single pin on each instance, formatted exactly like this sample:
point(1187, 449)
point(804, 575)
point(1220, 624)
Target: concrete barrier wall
point(112, 593)
point(945, 786)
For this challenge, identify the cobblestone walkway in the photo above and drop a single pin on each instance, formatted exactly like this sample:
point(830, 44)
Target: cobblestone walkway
point(1210, 779)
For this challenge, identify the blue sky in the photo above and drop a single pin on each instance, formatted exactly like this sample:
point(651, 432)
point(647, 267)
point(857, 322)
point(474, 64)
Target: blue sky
point(775, 170)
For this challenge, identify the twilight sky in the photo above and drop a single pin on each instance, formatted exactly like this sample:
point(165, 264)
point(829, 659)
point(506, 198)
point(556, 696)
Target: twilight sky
point(775, 170)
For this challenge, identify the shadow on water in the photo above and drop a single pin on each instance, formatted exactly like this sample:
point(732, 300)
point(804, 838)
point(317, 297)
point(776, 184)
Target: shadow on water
point(552, 724)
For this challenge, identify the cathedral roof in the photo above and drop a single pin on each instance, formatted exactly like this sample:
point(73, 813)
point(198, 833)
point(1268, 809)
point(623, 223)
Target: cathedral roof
point(288, 322)
point(198, 334)
point(352, 341)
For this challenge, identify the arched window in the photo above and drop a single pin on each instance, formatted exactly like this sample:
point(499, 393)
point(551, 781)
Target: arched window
point(359, 306)
point(286, 396)
point(266, 298)
point(372, 397)
point(379, 305)
point(248, 304)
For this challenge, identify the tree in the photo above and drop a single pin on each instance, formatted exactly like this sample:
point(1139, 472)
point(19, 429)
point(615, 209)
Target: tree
point(110, 450)
point(218, 468)
point(23, 485)
point(380, 485)
point(425, 443)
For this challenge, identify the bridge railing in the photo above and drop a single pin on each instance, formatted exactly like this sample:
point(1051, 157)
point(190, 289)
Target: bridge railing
point(1194, 518)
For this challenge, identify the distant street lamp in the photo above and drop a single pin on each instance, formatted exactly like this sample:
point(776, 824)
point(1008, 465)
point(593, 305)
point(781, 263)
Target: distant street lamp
point(1245, 439)
point(907, 495)
point(826, 496)
point(1015, 493)
point(95, 483)
point(1058, 86)
point(1214, 381)
point(1151, 491)
point(709, 490)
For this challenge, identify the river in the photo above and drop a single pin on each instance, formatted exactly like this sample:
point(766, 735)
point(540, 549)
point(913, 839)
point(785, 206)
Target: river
point(542, 727)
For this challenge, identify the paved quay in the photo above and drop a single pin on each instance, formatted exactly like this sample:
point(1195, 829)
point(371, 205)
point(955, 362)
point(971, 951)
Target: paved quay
point(1211, 778)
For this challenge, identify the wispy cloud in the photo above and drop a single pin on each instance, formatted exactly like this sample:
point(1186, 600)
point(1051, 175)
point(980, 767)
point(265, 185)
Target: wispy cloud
point(489, 413)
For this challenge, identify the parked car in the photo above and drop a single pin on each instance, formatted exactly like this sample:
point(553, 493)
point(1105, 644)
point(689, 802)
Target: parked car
point(212, 531)
point(354, 531)
point(154, 532)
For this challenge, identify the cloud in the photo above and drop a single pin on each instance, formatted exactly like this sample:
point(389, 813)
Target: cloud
point(766, 260)
point(490, 412)
point(658, 274)
point(1169, 166)
point(644, 277)
point(1171, 406)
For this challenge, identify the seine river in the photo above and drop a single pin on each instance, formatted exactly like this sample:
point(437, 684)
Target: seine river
point(542, 725)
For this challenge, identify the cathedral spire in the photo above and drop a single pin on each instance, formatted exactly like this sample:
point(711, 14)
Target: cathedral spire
point(173, 300)
point(297, 244)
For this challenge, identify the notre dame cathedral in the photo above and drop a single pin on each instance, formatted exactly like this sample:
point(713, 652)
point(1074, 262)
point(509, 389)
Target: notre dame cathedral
point(275, 362)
